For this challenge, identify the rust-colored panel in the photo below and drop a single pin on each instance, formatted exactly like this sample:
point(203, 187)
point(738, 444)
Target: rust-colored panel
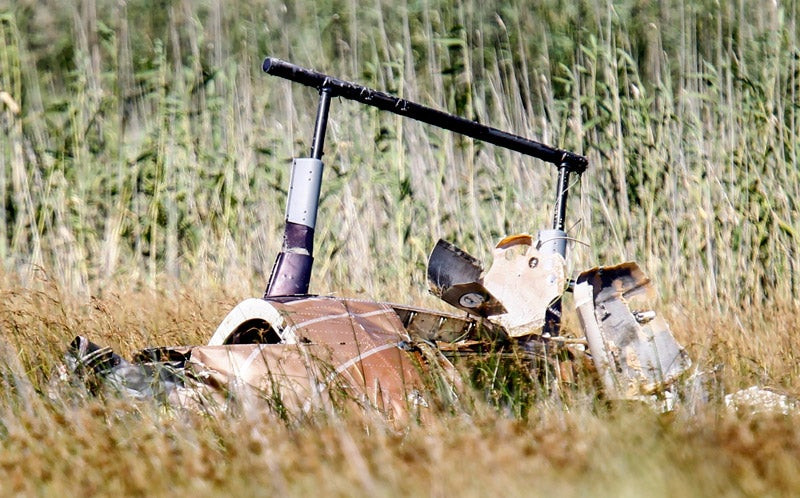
point(356, 346)
point(271, 369)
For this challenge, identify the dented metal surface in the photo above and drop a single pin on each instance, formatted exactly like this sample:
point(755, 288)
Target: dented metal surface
point(633, 350)
point(525, 281)
point(301, 352)
point(358, 351)
point(513, 294)
point(454, 276)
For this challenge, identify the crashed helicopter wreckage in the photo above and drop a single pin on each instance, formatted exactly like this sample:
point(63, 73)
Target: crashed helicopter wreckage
point(294, 347)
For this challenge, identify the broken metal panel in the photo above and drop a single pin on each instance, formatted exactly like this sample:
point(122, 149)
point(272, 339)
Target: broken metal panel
point(434, 326)
point(454, 276)
point(525, 281)
point(439, 327)
point(102, 370)
point(625, 280)
point(634, 351)
point(448, 265)
point(360, 341)
point(584, 304)
point(356, 351)
point(514, 293)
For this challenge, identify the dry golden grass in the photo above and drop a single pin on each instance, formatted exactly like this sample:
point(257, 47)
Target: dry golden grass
point(139, 140)
point(66, 443)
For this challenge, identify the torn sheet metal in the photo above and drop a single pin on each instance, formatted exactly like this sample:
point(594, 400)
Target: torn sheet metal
point(525, 281)
point(454, 276)
point(633, 350)
point(513, 294)
point(435, 326)
point(448, 265)
point(352, 350)
point(146, 380)
point(308, 353)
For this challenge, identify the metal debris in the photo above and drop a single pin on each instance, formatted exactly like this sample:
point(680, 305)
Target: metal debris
point(754, 400)
point(634, 352)
point(301, 351)
point(525, 281)
point(358, 350)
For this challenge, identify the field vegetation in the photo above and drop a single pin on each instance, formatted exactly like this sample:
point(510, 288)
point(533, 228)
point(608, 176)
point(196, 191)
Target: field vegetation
point(143, 172)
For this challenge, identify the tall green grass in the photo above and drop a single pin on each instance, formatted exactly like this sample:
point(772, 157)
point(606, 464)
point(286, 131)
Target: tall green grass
point(142, 185)
point(149, 147)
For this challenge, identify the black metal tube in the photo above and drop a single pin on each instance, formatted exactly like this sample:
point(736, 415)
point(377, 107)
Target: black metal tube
point(318, 141)
point(339, 88)
point(561, 198)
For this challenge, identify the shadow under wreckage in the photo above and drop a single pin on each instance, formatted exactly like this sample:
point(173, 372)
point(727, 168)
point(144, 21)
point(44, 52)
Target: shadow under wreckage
point(303, 351)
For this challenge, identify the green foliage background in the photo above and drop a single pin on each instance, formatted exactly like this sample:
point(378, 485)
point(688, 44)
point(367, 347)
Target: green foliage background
point(144, 162)
point(149, 146)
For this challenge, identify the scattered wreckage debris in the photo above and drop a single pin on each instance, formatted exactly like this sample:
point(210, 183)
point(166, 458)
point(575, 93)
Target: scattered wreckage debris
point(298, 349)
point(633, 350)
point(756, 400)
